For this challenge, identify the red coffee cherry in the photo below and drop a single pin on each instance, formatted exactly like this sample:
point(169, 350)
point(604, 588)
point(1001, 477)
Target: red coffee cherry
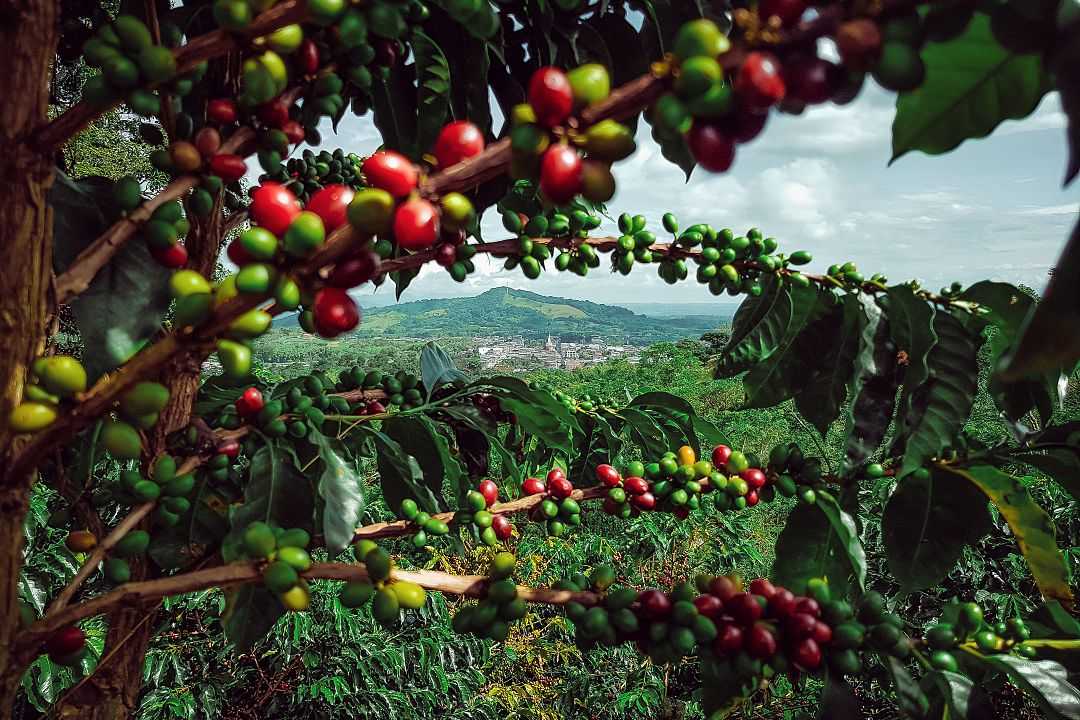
point(711, 147)
point(294, 132)
point(390, 171)
point(744, 124)
point(636, 485)
point(560, 174)
point(607, 475)
point(274, 113)
point(729, 639)
point(788, 11)
point(489, 490)
point(222, 111)
point(228, 167)
point(416, 225)
point(355, 270)
point(274, 207)
point(645, 501)
point(655, 605)
point(799, 625)
point(555, 473)
point(782, 603)
point(754, 478)
point(822, 633)
point(502, 526)
point(445, 254)
point(308, 56)
point(65, 641)
point(330, 204)
point(458, 141)
point(723, 588)
point(560, 488)
point(174, 256)
point(809, 79)
point(710, 606)
point(808, 605)
point(335, 312)
point(249, 403)
point(230, 448)
point(806, 654)
point(759, 82)
point(752, 498)
point(760, 642)
point(744, 607)
point(374, 408)
point(720, 455)
point(762, 586)
point(533, 486)
point(550, 95)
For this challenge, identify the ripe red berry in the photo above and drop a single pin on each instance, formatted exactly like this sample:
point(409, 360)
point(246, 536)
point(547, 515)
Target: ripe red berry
point(274, 113)
point(238, 254)
point(330, 204)
point(308, 56)
point(655, 605)
point(782, 603)
point(560, 487)
point(65, 641)
point(744, 125)
point(760, 642)
point(294, 132)
point(390, 171)
point(799, 625)
point(720, 455)
point(607, 475)
point(806, 654)
point(729, 639)
point(744, 607)
point(644, 501)
point(249, 403)
point(555, 473)
point(222, 111)
point(682, 512)
point(822, 633)
point(228, 167)
point(550, 95)
point(754, 478)
point(710, 606)
point(722, 588)
point(636, 485)
point(808, 605)
point(560, 174)
point(355, 270)
point(230, 448)
point(711, 147)
point(174, 256)
point(273, 206)
point(788, 11)
point(759, 82)
point(335, 312)
point(445, 254)
point(458, 141)
point(533, 486)
point(762, 587)
point(610, 506)
point(810, 79)
point(489, 490)
point(416, 225)
point(502, 526)
point(374, 408)
point(752, 498)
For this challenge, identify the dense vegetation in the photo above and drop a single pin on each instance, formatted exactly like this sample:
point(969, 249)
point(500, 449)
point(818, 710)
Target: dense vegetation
point(317, 536)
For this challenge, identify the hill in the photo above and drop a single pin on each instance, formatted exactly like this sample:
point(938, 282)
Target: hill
point(506, 312)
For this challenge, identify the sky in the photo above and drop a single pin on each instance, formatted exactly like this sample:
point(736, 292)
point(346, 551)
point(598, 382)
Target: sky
point(994, 208)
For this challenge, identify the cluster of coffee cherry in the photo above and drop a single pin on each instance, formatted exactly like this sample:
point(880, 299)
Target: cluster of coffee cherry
point(387, 595)
point(491, 617)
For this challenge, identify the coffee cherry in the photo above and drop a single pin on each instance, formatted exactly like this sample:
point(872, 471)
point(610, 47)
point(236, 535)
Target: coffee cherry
point(331, 204)
point(809, 606)
point(228, 167)
point(555, 473)
point(65, 641)
point(806, 654)
point(729, 639)
point(457, 141)
point(560, 487)
point(781, 603)
point(636, 485)
point(249, 403)
point(787, 11)
point(710, 606)
point(589, 83)
point(655, 605)
point(810, 79)
point(762, 587)
point(533, 486)
point(222, 111)
point(550, 96)
point(720, 455)
point(502, 526)
point(355, 270)
point(760, 643)
point(416, 225)
point(859, 43)
point(274, 207)
point(744, 607)
point(759, 82)
point(560, 174)
point(294, 132)
point(490, 492)
point(899, 68)
point(607, 475)
point(390, 171)
point(645, 501)
point(335, 312)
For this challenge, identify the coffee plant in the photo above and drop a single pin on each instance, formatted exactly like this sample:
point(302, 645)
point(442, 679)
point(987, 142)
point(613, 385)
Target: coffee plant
point(229, 482)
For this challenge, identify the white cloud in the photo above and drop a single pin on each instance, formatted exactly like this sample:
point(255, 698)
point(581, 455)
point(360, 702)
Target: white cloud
point(1066, 209)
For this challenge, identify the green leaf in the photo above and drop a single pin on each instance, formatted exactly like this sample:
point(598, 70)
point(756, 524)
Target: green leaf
point(1056, 620)
point(250, 612)
point(804, 350)
point(911, 324)
point(927, 523)
point(400, 474)
point(432, 91)
point(393, 98)
point(757, 332)
point(418, 437)
point(1006, 308)
point(823, 396)
point(808, 547)
point(942, 404)
point(645, 432)
point(910, 697)
point(475, 452)
point(1030, 525)
point(972, 84)
point(707, 429)
point(127, 300)
point(343, 493)
point(1045, 680)
point(199, 533)
point(846, 533)
point(873, 389)
point(674, 409)
point(1061, 464)
point(537, 411)
point(1050, 338)
point(838, 701)
point(954, 688)
point(276, 493)
point(437, 367)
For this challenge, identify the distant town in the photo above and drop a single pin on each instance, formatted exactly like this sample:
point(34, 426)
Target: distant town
point(517, 355)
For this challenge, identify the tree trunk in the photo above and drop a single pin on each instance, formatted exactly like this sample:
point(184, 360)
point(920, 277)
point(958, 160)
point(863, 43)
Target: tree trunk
point(28, 34)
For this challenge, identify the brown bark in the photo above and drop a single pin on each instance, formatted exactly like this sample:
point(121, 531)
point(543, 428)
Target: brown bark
point(28, 35)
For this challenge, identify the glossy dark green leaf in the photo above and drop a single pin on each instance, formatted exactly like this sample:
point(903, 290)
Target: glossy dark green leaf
point(437, 367)
point(416, 449)
point(433, 89)
point(1030, 525)
point(393, 98)
point(1045, 680)
point(1056, 619)
point(342, 491)
point(710, 431)
point(926, 525)
point(128, 298)
point(808, 547)
point(911, 322)
point(955, 690)
point(846, 533)
point(909, 696)
point(198, 533)
point(536, 410)
point(823, 395)
point(645, 432)
point(276, 493)
point(942, 404)
point(250, 612)
point(757, 331)
point(1065, 58)
point(972, 85)
point(675, 410)
point(873, 389)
